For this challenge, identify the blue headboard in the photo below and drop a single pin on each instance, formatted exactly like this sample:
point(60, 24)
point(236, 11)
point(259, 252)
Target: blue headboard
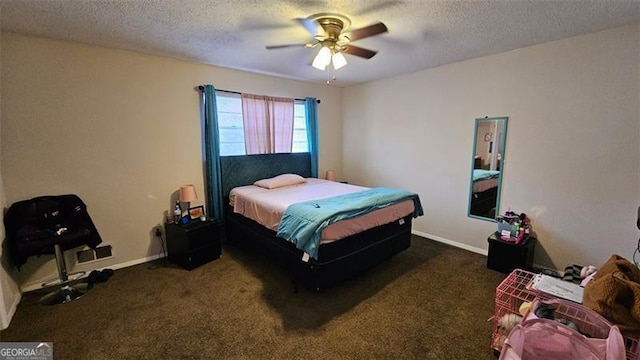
point(246, 169)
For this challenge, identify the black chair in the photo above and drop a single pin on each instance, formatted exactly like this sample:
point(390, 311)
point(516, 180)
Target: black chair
point(51, 225)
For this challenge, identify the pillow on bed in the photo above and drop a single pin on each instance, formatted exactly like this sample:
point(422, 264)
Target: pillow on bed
point(280, 181)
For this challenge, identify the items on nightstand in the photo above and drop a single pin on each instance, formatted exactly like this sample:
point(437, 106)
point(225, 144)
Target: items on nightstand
point(187, 194)
point(513, 227)
point(177, 212)
point(330, 175)
point(197, 212)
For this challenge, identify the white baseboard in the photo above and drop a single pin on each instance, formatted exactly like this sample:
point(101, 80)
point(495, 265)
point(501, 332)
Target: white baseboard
point(38, 285)
point(132, 262)
point(474, 249)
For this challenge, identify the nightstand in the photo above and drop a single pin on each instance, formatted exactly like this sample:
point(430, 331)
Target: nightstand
point(193, 244)
point(505, 256)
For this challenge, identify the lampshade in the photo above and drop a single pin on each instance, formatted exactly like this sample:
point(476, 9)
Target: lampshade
point(323, 58)
point(188, 193)
point(330, 175)
point(338, 60)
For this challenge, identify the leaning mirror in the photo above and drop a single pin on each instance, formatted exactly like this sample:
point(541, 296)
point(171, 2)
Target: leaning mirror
point(487, 162)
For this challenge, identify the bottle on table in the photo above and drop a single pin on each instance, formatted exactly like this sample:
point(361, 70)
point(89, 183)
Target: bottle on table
point(177, 212)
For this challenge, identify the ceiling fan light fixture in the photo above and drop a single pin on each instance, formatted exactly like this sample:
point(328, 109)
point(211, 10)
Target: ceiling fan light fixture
point(318, 66)
point(329, 32)
point(338, 60)
point(323, 58)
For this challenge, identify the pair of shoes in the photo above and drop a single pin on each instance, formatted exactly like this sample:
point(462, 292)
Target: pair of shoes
point(97, 276)
point(107, 273)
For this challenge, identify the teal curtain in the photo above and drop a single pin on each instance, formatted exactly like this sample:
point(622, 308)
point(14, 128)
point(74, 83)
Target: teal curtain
point(311, 107)
point(213, 178)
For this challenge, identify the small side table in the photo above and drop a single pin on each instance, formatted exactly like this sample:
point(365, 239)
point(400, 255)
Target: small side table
point(193, 244)
point(505, 256)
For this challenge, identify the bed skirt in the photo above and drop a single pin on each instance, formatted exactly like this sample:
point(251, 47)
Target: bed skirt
point(337, 261)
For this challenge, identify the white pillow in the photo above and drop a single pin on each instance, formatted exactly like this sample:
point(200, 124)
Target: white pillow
point(280, 181)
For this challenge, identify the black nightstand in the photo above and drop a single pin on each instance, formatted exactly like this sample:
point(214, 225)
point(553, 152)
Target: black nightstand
point(505, 256)
point(193, 244)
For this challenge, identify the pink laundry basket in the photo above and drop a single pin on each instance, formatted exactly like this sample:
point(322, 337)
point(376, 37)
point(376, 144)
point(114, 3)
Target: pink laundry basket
point(536, 338)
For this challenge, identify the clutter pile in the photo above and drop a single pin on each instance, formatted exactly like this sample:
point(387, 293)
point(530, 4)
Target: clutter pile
point(514, 227)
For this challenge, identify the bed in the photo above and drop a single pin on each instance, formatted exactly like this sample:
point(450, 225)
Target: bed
point(484, 191)
point(337, 257)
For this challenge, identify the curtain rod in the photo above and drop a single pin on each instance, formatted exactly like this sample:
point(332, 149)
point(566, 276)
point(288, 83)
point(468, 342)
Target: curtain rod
point(201, 88)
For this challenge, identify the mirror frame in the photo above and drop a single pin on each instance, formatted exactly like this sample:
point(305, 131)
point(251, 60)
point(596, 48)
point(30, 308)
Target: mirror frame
point(501, 166)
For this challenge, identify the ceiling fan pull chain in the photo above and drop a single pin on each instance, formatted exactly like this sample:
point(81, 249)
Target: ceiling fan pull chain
point(333, 78)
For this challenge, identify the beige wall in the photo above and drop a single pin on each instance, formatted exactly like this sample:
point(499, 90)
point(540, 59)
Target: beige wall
point(121, 130)
point(9, 291)
point(572, 152)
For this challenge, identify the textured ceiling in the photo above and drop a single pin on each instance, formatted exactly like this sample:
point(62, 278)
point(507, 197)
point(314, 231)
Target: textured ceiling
point(233, 34)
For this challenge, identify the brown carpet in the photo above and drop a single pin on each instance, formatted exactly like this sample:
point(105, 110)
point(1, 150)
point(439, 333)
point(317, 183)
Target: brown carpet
point(429, 302)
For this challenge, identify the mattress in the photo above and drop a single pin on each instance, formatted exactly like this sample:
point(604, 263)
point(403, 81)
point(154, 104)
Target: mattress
point(266, 206)
point(483, 185)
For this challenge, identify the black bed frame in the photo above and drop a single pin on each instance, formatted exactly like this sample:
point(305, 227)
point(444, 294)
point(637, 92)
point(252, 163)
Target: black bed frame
point(337, 261)
point(484, 202)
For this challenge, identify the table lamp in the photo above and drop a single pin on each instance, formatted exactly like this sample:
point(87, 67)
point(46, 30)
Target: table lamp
point(187, 194)
point(330, 175)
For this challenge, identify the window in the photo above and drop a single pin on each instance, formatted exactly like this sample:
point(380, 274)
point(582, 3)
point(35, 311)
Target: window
point(231, 131)
point(300, 143)
point(230, 126)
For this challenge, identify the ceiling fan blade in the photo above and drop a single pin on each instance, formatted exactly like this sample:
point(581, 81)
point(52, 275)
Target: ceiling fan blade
point(367, 31)
point(358, 51)
point(311, 26)
point(271, 47)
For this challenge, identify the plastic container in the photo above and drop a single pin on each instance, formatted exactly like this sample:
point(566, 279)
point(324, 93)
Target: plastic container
point(503, 225)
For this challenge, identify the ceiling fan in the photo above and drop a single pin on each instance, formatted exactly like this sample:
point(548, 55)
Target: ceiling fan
point(326, 29)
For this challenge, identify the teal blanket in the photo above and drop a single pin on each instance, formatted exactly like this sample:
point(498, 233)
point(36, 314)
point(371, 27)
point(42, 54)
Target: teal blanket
point(479, 174)
point(302, 223)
